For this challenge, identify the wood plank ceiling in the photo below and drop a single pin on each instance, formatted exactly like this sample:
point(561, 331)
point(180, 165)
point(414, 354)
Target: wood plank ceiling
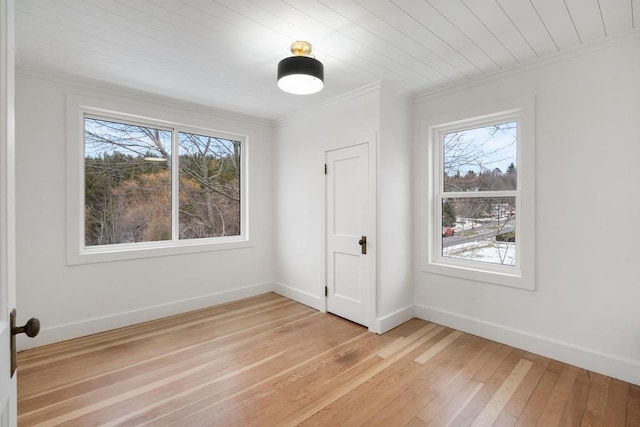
point(224, 53)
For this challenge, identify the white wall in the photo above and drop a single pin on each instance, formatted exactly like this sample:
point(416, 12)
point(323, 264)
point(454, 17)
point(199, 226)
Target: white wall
point(585, 309)
point(395, 185)
point(300, 144)
point(75, 300)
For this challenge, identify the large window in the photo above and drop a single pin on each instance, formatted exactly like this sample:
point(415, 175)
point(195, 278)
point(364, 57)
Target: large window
point(480, 210)
point(149, 187)
point(129, 184)
point(479, 193)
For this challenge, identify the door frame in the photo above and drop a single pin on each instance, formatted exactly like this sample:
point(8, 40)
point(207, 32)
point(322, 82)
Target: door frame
point(371, 139)
point(7, 207)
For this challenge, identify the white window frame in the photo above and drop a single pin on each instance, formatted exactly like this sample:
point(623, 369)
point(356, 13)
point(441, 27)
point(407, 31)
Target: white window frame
point(78, 109)
point(521, 275)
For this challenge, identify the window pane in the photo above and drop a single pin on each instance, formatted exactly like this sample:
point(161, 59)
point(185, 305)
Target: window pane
point(127, 183)
point(480, 229)
point(209, 186)
point(481, 159)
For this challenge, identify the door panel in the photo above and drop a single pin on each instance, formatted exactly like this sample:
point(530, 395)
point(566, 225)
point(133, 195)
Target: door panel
point(345, 193)
point(348, 215)
point(347, 283)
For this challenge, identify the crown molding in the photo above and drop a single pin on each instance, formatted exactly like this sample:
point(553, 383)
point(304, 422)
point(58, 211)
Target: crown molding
point(137, 95)
point(368, 88)
point(529, 66)
point(377, 86)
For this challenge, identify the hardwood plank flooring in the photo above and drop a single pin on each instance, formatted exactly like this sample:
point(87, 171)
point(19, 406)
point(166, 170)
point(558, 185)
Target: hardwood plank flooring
point(269, 361)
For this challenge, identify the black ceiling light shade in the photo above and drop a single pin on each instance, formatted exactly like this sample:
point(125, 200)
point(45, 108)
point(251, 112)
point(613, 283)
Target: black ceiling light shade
point(301, 74)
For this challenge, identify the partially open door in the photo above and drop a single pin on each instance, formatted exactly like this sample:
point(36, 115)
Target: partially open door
point(8, 405)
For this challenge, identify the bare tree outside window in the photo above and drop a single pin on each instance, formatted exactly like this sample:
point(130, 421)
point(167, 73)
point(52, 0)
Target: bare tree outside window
point(129, 193)
point(478, 159)
point(479, 166)
point(209, 186)
point(127, 183)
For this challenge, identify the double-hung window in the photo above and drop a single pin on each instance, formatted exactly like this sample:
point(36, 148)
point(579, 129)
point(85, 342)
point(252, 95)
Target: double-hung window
point(147, 187)
point(480, 209)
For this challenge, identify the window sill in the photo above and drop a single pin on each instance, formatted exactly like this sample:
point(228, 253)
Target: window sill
point(514, 279)
point(131, 252)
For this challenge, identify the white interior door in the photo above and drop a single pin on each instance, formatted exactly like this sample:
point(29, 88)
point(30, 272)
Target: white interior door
point(349, 232)
point(7, 205)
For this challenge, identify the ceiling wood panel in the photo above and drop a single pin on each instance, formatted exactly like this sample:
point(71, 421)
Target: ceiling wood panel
point(587, 18)
point(470, 27)
point(495, 20)
point(91, 31)
point(617, 16)
point(372, 46)
point(224, 53)
point(557, 21)
point(433, 34)
point(530, 26)
point(370, 30)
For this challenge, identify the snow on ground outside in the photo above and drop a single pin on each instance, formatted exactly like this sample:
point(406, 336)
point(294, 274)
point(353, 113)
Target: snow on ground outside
point(488, 251)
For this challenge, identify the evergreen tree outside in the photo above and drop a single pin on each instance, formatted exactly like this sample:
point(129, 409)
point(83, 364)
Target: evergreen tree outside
point(448, 214)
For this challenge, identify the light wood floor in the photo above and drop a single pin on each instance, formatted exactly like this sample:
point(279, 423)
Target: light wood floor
point(269, 361)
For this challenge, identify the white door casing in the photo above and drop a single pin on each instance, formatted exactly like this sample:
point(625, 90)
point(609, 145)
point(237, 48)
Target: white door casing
point(350, 215)
point(8, 406)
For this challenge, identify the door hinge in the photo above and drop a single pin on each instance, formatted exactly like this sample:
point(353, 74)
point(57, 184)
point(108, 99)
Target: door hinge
point(325, 168)
point(326, 291)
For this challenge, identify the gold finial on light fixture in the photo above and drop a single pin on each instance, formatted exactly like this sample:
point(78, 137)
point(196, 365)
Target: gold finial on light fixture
point(301, 48)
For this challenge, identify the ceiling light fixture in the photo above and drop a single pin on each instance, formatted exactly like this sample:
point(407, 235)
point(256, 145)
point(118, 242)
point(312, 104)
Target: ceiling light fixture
point(301, 74)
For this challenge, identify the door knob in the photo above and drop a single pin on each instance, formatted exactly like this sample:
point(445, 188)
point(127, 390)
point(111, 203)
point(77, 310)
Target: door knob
point(31, 329)
point(363, 244)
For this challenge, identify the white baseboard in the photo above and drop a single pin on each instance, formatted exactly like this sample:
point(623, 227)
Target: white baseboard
point(616, 367)
point(297, 295)
point(105, 323)
point(397, 318)
point(380, 326)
